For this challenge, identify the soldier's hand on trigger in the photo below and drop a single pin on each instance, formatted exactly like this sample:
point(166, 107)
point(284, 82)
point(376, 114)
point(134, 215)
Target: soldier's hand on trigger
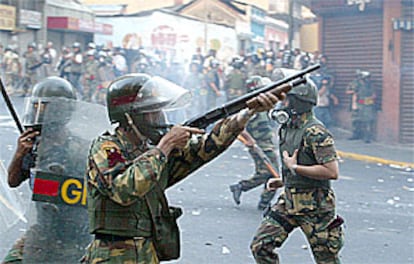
point(264, 101)
point(26, 141)
point(177, 138)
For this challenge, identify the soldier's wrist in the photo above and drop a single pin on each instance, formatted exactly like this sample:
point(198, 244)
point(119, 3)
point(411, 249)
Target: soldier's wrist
point(293, 169)
point(244, 116)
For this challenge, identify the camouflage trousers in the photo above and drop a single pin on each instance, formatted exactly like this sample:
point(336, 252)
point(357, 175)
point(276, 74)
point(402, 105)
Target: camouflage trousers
point(15, 254)
point(322, 230)
point(131, 251)
point(261, 176)
point(258, 179)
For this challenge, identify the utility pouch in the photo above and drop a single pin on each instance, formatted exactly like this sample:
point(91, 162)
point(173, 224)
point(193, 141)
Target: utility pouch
point(166, 233)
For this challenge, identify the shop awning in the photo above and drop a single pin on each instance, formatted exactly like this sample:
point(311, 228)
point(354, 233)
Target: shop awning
point(76, 24)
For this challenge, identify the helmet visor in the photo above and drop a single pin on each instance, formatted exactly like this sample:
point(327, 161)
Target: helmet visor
point(34, 112)
point(36, 108)
point(160, 119)
point(159, 94)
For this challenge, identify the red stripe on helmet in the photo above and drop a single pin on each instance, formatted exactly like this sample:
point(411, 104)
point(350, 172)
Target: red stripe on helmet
point(126, 99)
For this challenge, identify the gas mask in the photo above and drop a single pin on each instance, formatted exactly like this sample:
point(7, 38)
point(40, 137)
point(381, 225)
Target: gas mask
point(287, 111)
point(280, 113)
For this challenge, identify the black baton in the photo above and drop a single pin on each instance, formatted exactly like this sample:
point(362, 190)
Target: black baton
point(10, 106)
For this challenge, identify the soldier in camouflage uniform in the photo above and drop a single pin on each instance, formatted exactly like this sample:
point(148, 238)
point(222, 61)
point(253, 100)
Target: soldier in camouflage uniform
point(105, 75)
point(234, 84)
point(12, 67)
point(76, 61)
point(260, 130)
point(60, 233)
point(212, 81)
point(90, 76)
point(194, 82)
point(362, 106)
point(32, 63)
point(308, 201)
point(125, 166)
point(254, 66)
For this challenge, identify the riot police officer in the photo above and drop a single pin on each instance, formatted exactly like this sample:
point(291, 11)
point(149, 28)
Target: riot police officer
point(90, 77)
point(59, 232)
point(362, 106)
point(212, 80)
point(307, 201)
point(128, 166)
point(76, 61)
point(32, 63)
point(235, 81)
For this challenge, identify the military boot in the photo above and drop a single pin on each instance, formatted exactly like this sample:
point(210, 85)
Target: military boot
point(236, 189)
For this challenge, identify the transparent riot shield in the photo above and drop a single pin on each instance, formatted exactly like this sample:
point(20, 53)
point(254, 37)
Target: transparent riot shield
point(59, 231)
point(12, 208)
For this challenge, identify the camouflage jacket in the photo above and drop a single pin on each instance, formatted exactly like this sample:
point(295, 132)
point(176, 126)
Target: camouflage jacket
point(235, 84)
point(120, 175)
point(212, 77)
point(31, 62)
point(91, 70)
point(315, 144)
point(260, 128)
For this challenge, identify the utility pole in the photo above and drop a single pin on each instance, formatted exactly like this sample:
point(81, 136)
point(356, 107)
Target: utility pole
point(206, 15)
point(291, 22)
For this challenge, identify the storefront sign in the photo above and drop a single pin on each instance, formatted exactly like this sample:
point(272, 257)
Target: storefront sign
point(7, 17)
point(402, 24)
point(105, 29)
point(30, 18)
point(361, 3)
point(76, 24)
point(164, 37)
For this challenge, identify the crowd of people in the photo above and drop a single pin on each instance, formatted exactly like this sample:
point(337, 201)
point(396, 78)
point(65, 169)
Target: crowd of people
point(144, 154)
point(90, 69)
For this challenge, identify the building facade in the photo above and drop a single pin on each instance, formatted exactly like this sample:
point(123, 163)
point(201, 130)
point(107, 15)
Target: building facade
point(374, 35)
point(60, 21)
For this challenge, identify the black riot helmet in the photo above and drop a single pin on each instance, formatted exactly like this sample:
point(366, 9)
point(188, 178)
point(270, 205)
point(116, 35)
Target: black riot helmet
point(145, 100)
point(303, 97)
point(300, 99)
point(45, 93)
point(255, 82)
point(76, 45)
point(237, 62)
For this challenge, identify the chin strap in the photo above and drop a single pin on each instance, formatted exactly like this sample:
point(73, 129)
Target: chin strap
point(134, 128)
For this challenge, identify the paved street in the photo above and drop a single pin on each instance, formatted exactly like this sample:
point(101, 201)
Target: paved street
point(376, 200)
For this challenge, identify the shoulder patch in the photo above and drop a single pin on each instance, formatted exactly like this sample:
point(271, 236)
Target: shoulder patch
point(113, 153)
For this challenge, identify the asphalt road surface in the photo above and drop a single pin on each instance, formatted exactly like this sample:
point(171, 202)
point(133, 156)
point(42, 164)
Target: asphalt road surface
point(375, 200)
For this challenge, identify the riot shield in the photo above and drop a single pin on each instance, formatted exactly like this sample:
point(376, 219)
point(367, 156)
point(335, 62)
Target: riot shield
point(12, 208)
point(59, 231)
